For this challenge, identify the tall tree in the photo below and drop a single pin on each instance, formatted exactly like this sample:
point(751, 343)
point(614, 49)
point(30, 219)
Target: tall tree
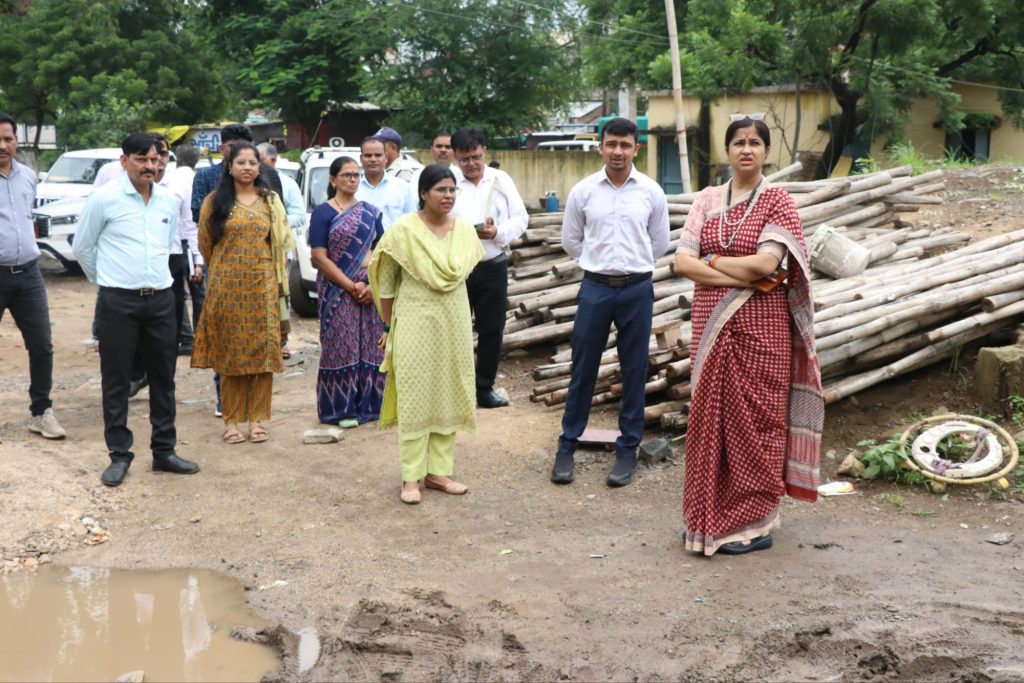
point(62, 54)
point(878, 56)
point(621, 38)
point(501, 66)
point(300, 56)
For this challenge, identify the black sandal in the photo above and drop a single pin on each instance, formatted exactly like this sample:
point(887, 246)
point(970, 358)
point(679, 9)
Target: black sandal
point(741, 548)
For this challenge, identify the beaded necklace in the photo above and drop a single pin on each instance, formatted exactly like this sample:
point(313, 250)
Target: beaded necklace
point(725, 216)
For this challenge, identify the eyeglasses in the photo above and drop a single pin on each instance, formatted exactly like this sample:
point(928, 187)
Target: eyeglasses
point(348, 176)
point(757, 116)
point(471, 159)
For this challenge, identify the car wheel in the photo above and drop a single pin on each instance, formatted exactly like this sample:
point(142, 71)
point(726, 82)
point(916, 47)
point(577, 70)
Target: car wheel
point(73, 267)
point(302, 303)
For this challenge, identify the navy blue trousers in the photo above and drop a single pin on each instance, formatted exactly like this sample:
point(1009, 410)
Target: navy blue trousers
point(600, 305)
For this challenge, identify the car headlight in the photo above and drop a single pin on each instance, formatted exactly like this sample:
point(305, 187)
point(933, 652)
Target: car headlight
point(64, 220)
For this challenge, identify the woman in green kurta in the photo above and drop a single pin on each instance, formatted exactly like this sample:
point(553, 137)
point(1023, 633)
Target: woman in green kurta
point(418, 279)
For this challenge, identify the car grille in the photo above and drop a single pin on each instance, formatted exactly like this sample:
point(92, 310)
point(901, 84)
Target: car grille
point(42, 201)
point(42, 225)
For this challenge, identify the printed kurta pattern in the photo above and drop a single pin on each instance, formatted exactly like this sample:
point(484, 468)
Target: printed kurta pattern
point(430, 354)
point(239, 331)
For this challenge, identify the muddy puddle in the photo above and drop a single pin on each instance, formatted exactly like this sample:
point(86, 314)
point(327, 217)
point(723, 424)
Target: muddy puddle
point(89, 624)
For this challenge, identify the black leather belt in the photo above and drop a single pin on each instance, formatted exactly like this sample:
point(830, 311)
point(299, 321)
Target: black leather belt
point(617, 280)
point(145, 291)
point(14, 270)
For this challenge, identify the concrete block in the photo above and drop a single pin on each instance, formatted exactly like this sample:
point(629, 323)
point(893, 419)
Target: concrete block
point(999, 375)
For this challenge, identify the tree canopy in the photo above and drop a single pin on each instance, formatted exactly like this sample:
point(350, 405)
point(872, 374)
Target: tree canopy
point(496, 65)
point(82, 57)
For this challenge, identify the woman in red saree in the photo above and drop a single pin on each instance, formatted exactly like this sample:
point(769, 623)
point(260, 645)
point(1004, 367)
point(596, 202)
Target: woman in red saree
point(756, 411)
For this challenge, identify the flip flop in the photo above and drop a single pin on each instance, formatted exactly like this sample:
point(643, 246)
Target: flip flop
point(348, 423)
point(233, 435)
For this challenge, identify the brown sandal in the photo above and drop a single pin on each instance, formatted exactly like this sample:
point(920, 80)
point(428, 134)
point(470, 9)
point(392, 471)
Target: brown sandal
point(257, 433)
point(233, 435)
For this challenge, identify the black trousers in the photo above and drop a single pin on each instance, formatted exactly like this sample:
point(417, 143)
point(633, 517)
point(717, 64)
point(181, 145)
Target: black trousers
point(488, 291)
point(181, 270)
point(23, 293)
point(127, 323)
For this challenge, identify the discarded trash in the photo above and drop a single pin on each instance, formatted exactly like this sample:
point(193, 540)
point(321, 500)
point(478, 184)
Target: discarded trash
point(276, 584)
point(506, 551)
point(131, 677)
point(698, 601)
point(596, 556)
point(836, 488)
point(964, 526)
point(1001, 538)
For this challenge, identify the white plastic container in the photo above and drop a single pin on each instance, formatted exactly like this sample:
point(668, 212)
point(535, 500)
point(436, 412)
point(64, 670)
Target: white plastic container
point(835, 254)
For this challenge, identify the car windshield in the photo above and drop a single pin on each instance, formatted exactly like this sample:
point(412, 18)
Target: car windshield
point(81, 170)
point(318, 186)
point(292, 173)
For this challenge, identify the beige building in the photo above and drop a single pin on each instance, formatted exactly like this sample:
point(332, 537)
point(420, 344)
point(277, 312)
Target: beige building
point(988, 135)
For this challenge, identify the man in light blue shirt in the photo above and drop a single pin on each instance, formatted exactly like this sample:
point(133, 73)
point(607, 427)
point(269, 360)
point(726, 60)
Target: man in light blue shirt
point(123, 242)
point(389, 194)
point(22, 291)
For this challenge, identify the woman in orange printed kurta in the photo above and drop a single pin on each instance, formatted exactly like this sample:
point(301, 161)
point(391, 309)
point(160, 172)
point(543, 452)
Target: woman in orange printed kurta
point(243, 237)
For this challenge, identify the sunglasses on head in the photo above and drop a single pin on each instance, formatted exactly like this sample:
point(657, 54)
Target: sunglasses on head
point(756, 116)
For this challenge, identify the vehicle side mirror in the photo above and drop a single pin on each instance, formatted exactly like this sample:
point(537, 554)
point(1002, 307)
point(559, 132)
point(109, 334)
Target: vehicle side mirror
point(41, 176)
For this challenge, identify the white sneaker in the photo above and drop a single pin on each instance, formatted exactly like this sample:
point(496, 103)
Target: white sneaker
point(47, 425)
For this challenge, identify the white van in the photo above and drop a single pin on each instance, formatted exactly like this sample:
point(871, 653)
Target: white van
point(571, 145)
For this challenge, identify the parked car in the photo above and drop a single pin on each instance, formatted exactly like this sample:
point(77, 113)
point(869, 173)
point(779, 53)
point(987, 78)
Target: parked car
point(73, 173)
point(316, 163)
point(570, 145)
point(56, 217)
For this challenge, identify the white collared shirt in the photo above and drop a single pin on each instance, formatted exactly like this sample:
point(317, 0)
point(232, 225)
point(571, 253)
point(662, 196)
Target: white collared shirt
point(495, 196)
point(124, 242)
point(391, 195)
point(616, 230)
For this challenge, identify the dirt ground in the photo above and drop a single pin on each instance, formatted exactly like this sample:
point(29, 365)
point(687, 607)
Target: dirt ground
point(521, 579)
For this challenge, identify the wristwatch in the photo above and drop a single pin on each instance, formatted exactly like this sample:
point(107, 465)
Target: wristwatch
point(707, 258)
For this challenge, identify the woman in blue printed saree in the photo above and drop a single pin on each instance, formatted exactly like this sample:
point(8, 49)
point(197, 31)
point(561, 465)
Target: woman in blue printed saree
point(342, 233)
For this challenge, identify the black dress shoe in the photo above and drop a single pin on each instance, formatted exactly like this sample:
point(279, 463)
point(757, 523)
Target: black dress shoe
point(117, 469)
point(562, 472)
point(137, 385)
point(173, 463)
point(184, 350)
point(489, 399)
point(622, 472)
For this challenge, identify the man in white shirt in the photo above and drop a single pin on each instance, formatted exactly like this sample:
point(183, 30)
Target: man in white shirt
point(389, 194)
point(123, 242)
point(186, 262)
point(397, 166)
point(488, 199)
point(616, 227)
point(291, 194)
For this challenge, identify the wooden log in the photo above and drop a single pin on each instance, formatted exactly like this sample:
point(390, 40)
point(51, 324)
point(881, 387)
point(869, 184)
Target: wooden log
point(997, 301)
point(935, 352)
point(911, 198)
point(674, 420)
point(825, 193)
point(653, 413)
point(861, 324)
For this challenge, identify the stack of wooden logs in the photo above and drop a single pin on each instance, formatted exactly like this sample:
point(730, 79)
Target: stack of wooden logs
point(925, 293)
